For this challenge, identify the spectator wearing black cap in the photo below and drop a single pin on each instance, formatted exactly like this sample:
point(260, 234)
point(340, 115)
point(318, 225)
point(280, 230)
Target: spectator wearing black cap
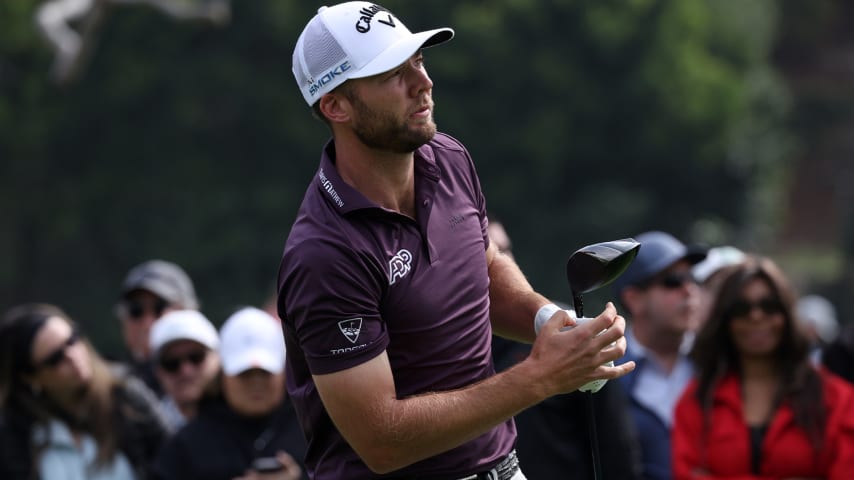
point(149, 290)
point(660, 298)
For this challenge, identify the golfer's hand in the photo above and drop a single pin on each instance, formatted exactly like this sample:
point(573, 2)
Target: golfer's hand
point(571, 358)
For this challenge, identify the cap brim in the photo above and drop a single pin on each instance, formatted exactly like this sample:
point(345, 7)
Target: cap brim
point(396, 54)
point(254, 358)
point(155, 286)
point(693, 257)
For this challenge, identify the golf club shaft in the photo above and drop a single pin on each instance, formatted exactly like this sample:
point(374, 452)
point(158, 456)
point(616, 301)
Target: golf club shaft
point(594, 440)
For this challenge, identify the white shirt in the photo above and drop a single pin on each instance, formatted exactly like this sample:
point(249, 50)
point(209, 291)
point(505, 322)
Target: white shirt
point(655, 388)
point(63, 459)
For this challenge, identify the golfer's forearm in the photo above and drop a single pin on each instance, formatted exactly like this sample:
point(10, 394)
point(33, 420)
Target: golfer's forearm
point(419, 427)
point(513, 302)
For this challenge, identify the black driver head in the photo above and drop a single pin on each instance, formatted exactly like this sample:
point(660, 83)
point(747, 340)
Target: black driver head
point(599, 264)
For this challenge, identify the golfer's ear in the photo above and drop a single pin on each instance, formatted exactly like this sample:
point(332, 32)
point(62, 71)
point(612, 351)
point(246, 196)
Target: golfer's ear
point(335, 107)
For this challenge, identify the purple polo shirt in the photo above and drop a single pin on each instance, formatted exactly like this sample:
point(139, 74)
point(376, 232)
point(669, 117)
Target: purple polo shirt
point(357, 279)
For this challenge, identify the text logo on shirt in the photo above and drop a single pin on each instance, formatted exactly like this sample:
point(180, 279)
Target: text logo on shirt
point(351, 328)
point(399, 265)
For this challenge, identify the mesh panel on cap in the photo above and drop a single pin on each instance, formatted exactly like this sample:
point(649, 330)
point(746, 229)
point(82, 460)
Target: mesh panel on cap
point(320, 50)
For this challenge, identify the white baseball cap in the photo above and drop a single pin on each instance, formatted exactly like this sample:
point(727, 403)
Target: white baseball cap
point(251, 338)
point(354, 40)
point(717, 258)
point(819, 312)
point(183, 325)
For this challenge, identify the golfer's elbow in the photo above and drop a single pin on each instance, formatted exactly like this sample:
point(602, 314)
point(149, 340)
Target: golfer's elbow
point(382, 460)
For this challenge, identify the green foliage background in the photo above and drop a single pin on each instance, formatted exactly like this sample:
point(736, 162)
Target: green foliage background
point(588, 120)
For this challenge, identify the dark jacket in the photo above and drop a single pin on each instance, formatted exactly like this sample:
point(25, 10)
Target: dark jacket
point(652, 433)
point(141, 432)
point(553, 437)
point(838, 357)
point(220, 445)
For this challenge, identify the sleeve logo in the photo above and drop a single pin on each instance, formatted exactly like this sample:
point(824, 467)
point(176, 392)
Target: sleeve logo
point(351, 328)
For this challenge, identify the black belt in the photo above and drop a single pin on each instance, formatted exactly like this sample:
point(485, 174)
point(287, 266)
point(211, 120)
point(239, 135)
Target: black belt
point(503, 471)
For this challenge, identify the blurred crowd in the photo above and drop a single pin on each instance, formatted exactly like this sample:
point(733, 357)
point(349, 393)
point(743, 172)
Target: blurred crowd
point(736, 375)
point(188, 401)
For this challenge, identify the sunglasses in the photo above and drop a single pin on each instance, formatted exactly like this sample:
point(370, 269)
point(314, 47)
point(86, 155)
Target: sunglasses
point(173, 364)
point(672, 281)
point(135, 309)
point(57, 356)
point(743, 308)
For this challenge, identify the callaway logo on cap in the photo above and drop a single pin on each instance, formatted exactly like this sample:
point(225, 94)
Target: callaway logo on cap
point(354, 40)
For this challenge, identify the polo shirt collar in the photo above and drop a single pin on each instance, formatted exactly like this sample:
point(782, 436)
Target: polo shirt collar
point(344, 198)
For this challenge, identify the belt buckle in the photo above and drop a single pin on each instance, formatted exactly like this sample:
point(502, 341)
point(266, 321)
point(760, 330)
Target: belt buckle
point(507, 466)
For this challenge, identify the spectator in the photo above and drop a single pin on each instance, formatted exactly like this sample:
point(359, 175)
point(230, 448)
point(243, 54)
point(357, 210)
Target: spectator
point(553, 435)
point(250, 418)
point(708, 274)
point(389, 289)
point(65, 414)
point(817, 316)
point(838, 357)
point(150, 290)
point(184, 344)
point(757, 407)
point(661, 300)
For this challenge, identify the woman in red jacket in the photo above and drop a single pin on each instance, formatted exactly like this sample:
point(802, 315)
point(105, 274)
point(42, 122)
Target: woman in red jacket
point(757, 409)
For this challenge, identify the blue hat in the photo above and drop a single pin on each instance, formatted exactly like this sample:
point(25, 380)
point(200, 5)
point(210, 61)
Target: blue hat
point(658, 251)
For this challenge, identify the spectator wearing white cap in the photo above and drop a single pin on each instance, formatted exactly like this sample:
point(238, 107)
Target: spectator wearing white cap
point(817, 317)
point(709, 273)
point(185, 346)
point(249, 423)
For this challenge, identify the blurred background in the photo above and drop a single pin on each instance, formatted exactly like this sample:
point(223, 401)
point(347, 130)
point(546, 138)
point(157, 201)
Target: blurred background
point(173, 129)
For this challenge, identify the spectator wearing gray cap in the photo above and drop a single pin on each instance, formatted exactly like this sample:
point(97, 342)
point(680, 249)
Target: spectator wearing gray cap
point(184, 344)
point(660, 298)
point(149, 290)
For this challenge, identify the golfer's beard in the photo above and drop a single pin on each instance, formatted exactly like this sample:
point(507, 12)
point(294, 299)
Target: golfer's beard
point(381, 131)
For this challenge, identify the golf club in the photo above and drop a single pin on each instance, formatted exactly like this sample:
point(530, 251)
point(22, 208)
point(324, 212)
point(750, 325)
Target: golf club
point(588, 269)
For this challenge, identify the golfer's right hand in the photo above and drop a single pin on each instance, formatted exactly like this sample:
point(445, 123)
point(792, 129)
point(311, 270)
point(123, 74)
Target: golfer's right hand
point(571, 358)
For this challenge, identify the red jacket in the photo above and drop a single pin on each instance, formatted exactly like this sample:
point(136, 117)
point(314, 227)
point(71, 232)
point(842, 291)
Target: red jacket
point(724, 451)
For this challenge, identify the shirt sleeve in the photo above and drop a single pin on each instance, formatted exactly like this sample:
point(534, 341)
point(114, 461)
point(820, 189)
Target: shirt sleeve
point(332, 298)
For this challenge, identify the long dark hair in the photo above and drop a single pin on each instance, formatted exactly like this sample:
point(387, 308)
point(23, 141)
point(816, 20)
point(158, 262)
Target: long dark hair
point(715, 355)
point(27, 407)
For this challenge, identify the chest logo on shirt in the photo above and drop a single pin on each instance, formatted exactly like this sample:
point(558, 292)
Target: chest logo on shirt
point(399, 265)
point(351, 328)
